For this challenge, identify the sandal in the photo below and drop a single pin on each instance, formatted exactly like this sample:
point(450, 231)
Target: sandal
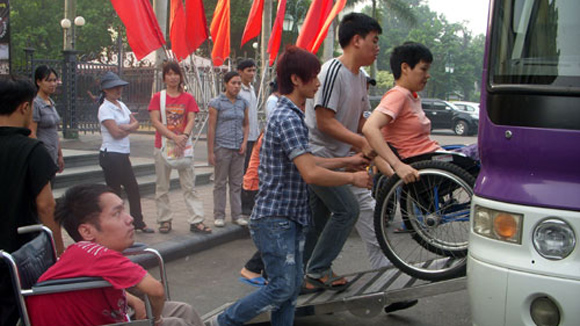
point(199, 228)
point(330, 283)
point(165, 227)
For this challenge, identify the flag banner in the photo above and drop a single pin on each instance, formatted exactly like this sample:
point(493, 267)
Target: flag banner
point(177, 31)
point(220, 32)
point(196, 24)
point(338, 6)
point(315, 18)
point(276, 36)
point(143, 32)
point(254, 23)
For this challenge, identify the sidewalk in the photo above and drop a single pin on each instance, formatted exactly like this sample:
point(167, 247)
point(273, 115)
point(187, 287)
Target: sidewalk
point(180, 241)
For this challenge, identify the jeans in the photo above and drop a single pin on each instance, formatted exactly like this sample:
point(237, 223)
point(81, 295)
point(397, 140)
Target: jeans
point(335, 211)
point(281, 242)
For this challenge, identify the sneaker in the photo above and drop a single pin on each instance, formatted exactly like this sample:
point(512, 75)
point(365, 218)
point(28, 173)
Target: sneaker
point(396, 306)
point(241, 221)
point(219, 223)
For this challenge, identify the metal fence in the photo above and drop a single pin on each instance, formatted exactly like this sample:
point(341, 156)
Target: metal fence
point(77, 94)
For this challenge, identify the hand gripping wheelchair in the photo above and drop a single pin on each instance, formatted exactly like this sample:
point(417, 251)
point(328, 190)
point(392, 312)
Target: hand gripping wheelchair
point(28, 263)
point(423, 227)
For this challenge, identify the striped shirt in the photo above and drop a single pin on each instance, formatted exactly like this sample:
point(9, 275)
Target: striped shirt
point(344, 93)
point(283, 192)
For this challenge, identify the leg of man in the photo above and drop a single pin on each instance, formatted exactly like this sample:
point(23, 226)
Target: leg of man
point(320, 215)
point(162, 182)
point(255, 264)
point(366, 228)
point(180, 314)
point(192, 201)
point(236, 177)
point(281, 242)
point(221, 173)
point(344, 207)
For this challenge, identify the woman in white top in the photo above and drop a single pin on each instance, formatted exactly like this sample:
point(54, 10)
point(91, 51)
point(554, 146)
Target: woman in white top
point(272, 99)
point(117, 123)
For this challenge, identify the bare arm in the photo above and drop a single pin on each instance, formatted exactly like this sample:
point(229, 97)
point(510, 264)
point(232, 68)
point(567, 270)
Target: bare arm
point(138, 305)
point(315, 174)
point(114, 129)
point(372, 131)
point(60, 159)
point(246, 128)
point(33, 126)
point(356, 162)
point(45, 208)
point(211, 135)
point(327, 123)
point(156, 293)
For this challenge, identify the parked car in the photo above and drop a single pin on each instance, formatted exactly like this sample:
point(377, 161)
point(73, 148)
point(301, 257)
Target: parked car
point(445, 115)
point(469, 107)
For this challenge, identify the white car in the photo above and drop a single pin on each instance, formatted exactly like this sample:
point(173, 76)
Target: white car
point(470, 107)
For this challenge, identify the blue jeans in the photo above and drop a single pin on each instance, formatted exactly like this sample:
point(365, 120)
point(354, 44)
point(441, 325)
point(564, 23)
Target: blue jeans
point(335, 211)
point(281, 242)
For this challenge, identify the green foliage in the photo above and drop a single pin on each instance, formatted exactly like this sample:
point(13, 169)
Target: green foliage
point(36, 24)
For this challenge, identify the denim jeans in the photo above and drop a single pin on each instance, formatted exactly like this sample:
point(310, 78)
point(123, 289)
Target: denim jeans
point(335, 211)
point(281, 242)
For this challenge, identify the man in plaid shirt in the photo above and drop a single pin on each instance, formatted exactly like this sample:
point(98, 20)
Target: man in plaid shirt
point(282, 212)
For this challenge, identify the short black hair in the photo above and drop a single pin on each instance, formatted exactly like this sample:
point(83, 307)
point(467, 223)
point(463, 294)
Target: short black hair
point(79, 205)
point(273, 86)
point(295, 61)
point(229, 75)
point(43, 72)
point(13, 92)
point(410, 53)
point(356, 24)
point(246, 63)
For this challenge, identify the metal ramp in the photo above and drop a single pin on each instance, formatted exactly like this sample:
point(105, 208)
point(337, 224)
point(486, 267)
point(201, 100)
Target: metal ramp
point(368, 294)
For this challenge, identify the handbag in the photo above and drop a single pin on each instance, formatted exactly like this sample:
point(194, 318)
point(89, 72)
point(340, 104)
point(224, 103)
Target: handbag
point(168, 148)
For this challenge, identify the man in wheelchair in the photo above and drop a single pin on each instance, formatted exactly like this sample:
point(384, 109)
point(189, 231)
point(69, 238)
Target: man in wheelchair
point(96, 219)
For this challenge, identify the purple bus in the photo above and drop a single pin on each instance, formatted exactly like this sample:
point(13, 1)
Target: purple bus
point(524, 261)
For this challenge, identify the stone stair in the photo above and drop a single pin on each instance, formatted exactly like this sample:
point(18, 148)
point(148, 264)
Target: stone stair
point(83, 167)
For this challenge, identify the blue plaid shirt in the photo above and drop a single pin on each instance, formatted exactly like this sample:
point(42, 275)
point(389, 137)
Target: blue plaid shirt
point(283, 192)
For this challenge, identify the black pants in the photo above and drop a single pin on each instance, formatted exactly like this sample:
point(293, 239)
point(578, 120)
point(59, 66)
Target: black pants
point(119, 172)
point(256, 265)
point(8, 311)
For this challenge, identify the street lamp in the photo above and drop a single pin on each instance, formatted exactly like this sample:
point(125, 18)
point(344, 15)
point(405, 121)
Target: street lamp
point(449, 68)
point(69, 44)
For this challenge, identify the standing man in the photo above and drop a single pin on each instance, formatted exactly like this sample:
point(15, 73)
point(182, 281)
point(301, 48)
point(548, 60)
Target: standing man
point(25, 191)
point(247, 70)
point(335, 119)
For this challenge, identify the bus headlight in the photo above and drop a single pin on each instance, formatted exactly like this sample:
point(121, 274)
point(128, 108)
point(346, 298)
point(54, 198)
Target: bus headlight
point(497, 225)
point(554, 239)
point(544, 312)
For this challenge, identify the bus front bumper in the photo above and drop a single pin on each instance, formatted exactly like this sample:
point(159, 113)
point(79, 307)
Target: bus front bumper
point(503, 297)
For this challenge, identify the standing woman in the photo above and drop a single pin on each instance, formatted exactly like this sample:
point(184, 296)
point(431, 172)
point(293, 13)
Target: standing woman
point(180, 109)
point(117, 123)
point(45, 119)
point(226, 145)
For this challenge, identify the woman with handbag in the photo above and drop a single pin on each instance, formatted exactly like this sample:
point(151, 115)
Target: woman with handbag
point(227, 135)
point(172, 113)
point(117, 123)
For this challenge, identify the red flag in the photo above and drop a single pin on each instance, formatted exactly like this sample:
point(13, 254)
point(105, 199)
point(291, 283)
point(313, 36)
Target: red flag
point(276, 36)
point(179, 44)
point(338, 6)
point(254, 23)
point(220, 32)
point(196, 25)
point(315, 18)
point(143, 32)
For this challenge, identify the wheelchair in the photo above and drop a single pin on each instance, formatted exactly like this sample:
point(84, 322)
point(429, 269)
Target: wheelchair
point(423, 227)
point(28, 263)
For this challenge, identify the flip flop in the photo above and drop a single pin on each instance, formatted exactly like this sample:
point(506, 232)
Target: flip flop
point(255, 282)
point(327, 285)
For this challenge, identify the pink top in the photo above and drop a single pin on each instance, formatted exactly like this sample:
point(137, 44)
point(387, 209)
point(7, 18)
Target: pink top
point(409, 130)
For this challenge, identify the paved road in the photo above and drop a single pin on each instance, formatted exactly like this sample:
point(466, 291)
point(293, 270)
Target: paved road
point(209, 279)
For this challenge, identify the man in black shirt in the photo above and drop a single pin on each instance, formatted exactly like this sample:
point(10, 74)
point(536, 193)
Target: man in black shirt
point(25, 193)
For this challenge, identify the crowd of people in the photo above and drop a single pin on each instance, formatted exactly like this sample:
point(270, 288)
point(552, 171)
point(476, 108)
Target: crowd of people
point(300, 185)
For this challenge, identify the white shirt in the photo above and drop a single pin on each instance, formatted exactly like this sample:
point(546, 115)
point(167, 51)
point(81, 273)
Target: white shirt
point(109, 111)
point(248, 94)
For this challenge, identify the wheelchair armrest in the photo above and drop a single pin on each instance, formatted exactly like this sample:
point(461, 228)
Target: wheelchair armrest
point(67, 285)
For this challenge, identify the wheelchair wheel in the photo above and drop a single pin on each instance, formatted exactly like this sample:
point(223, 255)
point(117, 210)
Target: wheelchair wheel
point(423, 227)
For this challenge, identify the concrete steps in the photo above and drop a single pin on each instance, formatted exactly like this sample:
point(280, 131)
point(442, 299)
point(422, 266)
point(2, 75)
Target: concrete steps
point(83, 167)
